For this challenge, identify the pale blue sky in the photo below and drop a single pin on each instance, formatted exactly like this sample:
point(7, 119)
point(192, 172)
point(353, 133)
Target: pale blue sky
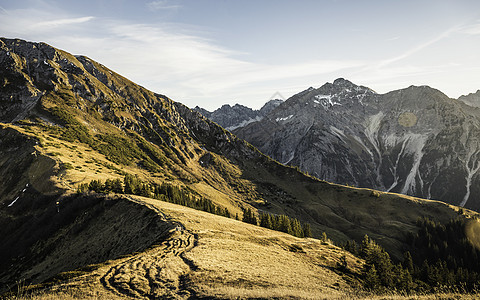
point(208, 53)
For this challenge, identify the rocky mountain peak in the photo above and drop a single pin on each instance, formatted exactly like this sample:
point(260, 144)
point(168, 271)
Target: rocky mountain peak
point(340, 92)
point(270, 105)
point(472, 99)
point(344, 83)
point(232, 117)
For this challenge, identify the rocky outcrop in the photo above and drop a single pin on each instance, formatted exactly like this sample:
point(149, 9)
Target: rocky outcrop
point(414, 141)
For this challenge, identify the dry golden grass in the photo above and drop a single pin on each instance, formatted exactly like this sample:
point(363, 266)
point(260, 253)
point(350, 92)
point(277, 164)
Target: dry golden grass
point(219, 257)
point(235, 258)
point(223, 258)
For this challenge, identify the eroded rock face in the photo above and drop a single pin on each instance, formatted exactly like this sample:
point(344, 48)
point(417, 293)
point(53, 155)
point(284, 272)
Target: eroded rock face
point(414, 141)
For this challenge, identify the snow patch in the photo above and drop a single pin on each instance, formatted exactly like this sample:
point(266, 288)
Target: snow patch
point(326, 101)
point(395, 167)
point(359, 140)
point(13, 202)
point(283, 119)
point(244, 123)
point(292, 155)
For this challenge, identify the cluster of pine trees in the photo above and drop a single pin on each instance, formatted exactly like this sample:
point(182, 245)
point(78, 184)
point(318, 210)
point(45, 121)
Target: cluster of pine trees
point(443, 258)
point(282, 223)
point(443, 255)
point(174, 194)
point(164, 192)
point(379, 272)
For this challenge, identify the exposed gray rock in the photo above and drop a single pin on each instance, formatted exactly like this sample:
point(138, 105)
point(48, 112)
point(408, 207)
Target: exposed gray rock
point(232, 117)
point(269, 106)
point(472, 99)
point(414, 141)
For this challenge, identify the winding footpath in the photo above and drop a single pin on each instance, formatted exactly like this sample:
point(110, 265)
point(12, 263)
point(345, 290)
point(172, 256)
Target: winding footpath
point(158, 273)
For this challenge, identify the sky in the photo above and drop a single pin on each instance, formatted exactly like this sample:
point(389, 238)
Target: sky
point(214, 52)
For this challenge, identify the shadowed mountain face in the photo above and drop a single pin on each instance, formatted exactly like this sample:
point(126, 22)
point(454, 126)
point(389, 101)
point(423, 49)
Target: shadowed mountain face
point(414, 141)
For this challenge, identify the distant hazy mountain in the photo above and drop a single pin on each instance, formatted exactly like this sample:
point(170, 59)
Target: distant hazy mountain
point(414, 141)
point(232, 117)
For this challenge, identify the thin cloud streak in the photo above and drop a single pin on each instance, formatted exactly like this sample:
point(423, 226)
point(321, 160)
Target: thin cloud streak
point(162, 5)
point(471, 30)
point(419, 48)
point(63, 22)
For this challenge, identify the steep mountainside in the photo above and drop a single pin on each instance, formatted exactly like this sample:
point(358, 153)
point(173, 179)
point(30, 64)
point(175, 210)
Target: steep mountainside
point(67, 120)
point(232, 117)
point(414, 141)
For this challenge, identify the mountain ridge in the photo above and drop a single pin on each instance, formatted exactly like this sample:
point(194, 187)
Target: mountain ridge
point(232, 117)
point(317, 128)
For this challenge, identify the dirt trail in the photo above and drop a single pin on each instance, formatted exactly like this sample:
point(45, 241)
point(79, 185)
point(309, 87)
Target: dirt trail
point(161, 272)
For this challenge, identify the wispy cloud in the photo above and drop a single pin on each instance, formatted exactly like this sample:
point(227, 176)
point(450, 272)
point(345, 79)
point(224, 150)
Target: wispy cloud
point(419, 47)
point(63, 22)
point(472, 29)
point(167, 58)
point(162, 5)
point(194, 65)
point(393, 38)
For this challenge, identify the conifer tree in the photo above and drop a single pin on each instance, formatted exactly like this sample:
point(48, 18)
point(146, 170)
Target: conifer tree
point(372, 281)
point(96, 186)
point(408, 262)
point(117, 186)
point(296, 228)
point(307, 232)
point(249, 217)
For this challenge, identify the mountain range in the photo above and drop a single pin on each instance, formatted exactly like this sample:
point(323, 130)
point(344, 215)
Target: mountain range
point(233, 117)
point(415, 141)
point(89, 160)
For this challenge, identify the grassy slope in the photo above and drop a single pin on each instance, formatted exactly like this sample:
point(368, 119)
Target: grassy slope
point(225, 258)
point(221, 258)
point(345, 212)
